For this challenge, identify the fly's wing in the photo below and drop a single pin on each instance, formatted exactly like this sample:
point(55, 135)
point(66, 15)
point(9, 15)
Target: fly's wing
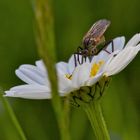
point(96, 31)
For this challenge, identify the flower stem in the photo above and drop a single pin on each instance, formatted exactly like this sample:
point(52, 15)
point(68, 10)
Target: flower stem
point(94, 113)
point(46, 48)
point(13, 117)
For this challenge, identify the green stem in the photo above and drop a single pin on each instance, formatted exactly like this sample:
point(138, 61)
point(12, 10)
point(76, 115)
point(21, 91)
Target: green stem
point(94, 113)
point(46, 47)
point(13, 117)
point(66, 111)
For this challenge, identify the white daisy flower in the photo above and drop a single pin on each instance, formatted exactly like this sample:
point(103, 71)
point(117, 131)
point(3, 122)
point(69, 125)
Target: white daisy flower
point(37, 84)
point(71, 78)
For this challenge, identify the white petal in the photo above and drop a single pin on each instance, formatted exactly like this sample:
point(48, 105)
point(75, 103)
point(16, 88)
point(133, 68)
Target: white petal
point(97, 58)
point(65, 85)
point(138, 47)
point(24, 78)
point(29, 92)
point(134, 40)
point(105, 55)
point(107, 61)
point(122, 59)
point(93, 80)
point(31, 75)
point(118, 44)
point(40, 65)
point(71, 64)
point(33, 69)
point(62, 68)
point(74, 60)
point(81, 75)
point(102, 56)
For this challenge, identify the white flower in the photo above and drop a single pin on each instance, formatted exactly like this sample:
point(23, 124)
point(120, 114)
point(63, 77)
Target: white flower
point(38, 86)
point(71, 78)
point(124, 57)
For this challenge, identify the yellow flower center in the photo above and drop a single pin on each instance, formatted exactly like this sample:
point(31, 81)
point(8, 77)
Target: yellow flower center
point(68, 76)
point(95, 68)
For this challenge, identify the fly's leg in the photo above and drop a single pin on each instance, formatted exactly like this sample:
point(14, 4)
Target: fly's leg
point(85, 58)
point(75, 59)
point(82, 59)
point(106, 45)
point(76, 56)
point(90, 58)
point(113, 49)
point(79, 49)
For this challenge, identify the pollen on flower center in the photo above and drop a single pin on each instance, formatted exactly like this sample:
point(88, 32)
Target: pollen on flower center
point(95, 68)
point(68, 76)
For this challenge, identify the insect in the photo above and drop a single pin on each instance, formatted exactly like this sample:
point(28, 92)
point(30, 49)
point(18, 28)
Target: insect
point(93, 39)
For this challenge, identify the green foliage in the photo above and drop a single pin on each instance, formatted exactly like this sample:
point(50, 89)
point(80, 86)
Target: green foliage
point(72, 19)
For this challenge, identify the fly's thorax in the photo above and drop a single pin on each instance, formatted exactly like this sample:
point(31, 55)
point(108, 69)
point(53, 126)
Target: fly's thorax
point(90, 51)
point(100, 41)
point(93, 46)
point(87, 42)
point(95, 49)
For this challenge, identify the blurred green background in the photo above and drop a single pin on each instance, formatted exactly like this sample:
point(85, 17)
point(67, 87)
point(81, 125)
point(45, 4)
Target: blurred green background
point(121, 105)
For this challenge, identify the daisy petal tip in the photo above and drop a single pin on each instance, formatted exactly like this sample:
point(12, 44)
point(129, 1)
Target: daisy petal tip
point(38, 62)
point(137, 36)
point(17, 71)
point(24, 66)
point(9, 94)
point(123, 38)
point(134, 40)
